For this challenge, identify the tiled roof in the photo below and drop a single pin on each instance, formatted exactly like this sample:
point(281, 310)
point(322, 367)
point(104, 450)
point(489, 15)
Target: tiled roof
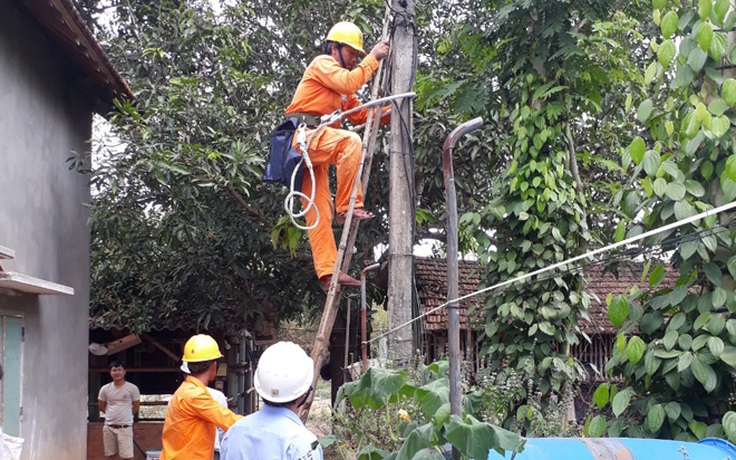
point(431, 281)
point(599, 283)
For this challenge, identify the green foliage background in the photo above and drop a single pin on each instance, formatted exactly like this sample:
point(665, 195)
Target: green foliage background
point(604, 119)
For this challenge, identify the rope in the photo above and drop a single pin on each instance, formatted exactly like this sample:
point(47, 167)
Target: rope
point(303, 141)
point(588, 254)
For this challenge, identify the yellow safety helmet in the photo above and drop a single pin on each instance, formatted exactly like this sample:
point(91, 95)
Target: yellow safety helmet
point(347, 33)
point(201, 347)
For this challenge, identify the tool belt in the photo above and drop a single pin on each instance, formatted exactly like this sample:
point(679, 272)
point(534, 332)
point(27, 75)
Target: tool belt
point(312, 121)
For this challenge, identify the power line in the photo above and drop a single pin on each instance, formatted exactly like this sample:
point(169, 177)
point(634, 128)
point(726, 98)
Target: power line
point(589, 254)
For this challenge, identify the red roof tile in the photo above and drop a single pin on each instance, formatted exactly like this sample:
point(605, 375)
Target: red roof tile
point(431, 281)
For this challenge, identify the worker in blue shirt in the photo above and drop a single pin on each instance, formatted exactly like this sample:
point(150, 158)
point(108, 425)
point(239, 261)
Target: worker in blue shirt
point(283, 379)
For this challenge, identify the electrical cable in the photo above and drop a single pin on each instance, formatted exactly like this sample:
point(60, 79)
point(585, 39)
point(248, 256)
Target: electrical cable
point(564, 263)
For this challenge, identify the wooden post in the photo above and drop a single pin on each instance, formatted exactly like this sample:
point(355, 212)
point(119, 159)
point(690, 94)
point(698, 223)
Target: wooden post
point(401, 185)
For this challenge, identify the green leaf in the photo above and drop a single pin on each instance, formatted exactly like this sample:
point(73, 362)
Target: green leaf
point(698, 428)
point(433, 395)
point(635, 350)
point(701, 114)
point(621, 401)
point(651, 363)
point(474, 439)
point(720, 296)
point(684, 361)
point(659, 186)
point(721, 9)
point(675, 191)
point(729, 425)
point(417, 442)
point(729, 356)
point(644, 110)
point(720, 125)
point(620, 343)
point(667, 51)
point(637, 147)
point(655, 418)
point(659, 4)
point(704, 374)
point(718, 46)
point(657, 275)
point(717, 106)
point(697, 59)
point(713, 273)
point(650, 73)
point(704, 7)
point(716, 346)
point(731, 263)
point(688, 248)
point(601, 395)
point(715, 324)
point(670, 339)
point(371, 453)
point(673, 411)
point(728, 91)
point(651, 162)
point(676, 322)
point(705, 33)
point(621, 231)
point(374, 389)
point(442, 414)
point(669, 24)
point(650, 322)
point(731, 168)
point(596, 427)
point(618, 311)
point(683, 210)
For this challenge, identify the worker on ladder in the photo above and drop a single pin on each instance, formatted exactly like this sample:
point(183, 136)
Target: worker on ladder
point(328, 85)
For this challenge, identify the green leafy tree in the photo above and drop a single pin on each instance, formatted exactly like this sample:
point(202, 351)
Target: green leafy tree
point(550, 79)
point(677, 348)
point(183, 230)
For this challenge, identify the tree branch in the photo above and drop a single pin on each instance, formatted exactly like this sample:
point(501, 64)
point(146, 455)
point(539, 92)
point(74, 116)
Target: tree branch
point(255, 213)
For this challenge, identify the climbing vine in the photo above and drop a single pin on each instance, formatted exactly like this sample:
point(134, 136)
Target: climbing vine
point(676, 349)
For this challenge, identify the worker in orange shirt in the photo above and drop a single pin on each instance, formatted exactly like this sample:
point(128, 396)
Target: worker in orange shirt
point(193, 415)
point(329, 84)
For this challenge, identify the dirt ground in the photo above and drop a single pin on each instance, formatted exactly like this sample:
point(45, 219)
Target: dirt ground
point(320, 416)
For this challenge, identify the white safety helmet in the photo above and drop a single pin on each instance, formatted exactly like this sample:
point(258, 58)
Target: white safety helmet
point(284, 373)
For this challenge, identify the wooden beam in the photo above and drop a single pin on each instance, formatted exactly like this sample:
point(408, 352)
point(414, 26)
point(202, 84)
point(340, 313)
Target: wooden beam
point(158, 345)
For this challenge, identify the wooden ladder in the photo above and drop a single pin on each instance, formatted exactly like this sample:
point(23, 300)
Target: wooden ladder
point(347, 239)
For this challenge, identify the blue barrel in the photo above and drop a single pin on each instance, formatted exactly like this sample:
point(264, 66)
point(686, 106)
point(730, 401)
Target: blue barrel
point(620, 449)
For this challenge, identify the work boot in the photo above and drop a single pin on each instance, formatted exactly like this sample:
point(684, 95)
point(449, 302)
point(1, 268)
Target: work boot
point(342, 279)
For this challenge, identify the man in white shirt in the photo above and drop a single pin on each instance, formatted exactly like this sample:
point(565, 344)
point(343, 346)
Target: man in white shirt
point(119, 400)
point(283, 379)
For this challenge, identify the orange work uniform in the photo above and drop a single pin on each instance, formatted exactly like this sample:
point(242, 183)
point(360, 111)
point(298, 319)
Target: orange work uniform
point(324, 88)
point(189, 427)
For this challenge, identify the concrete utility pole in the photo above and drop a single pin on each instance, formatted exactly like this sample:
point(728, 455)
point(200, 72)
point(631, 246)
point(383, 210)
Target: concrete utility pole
point(401, 184)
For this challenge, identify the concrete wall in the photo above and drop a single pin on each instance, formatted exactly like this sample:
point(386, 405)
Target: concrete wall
point(42, 218)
